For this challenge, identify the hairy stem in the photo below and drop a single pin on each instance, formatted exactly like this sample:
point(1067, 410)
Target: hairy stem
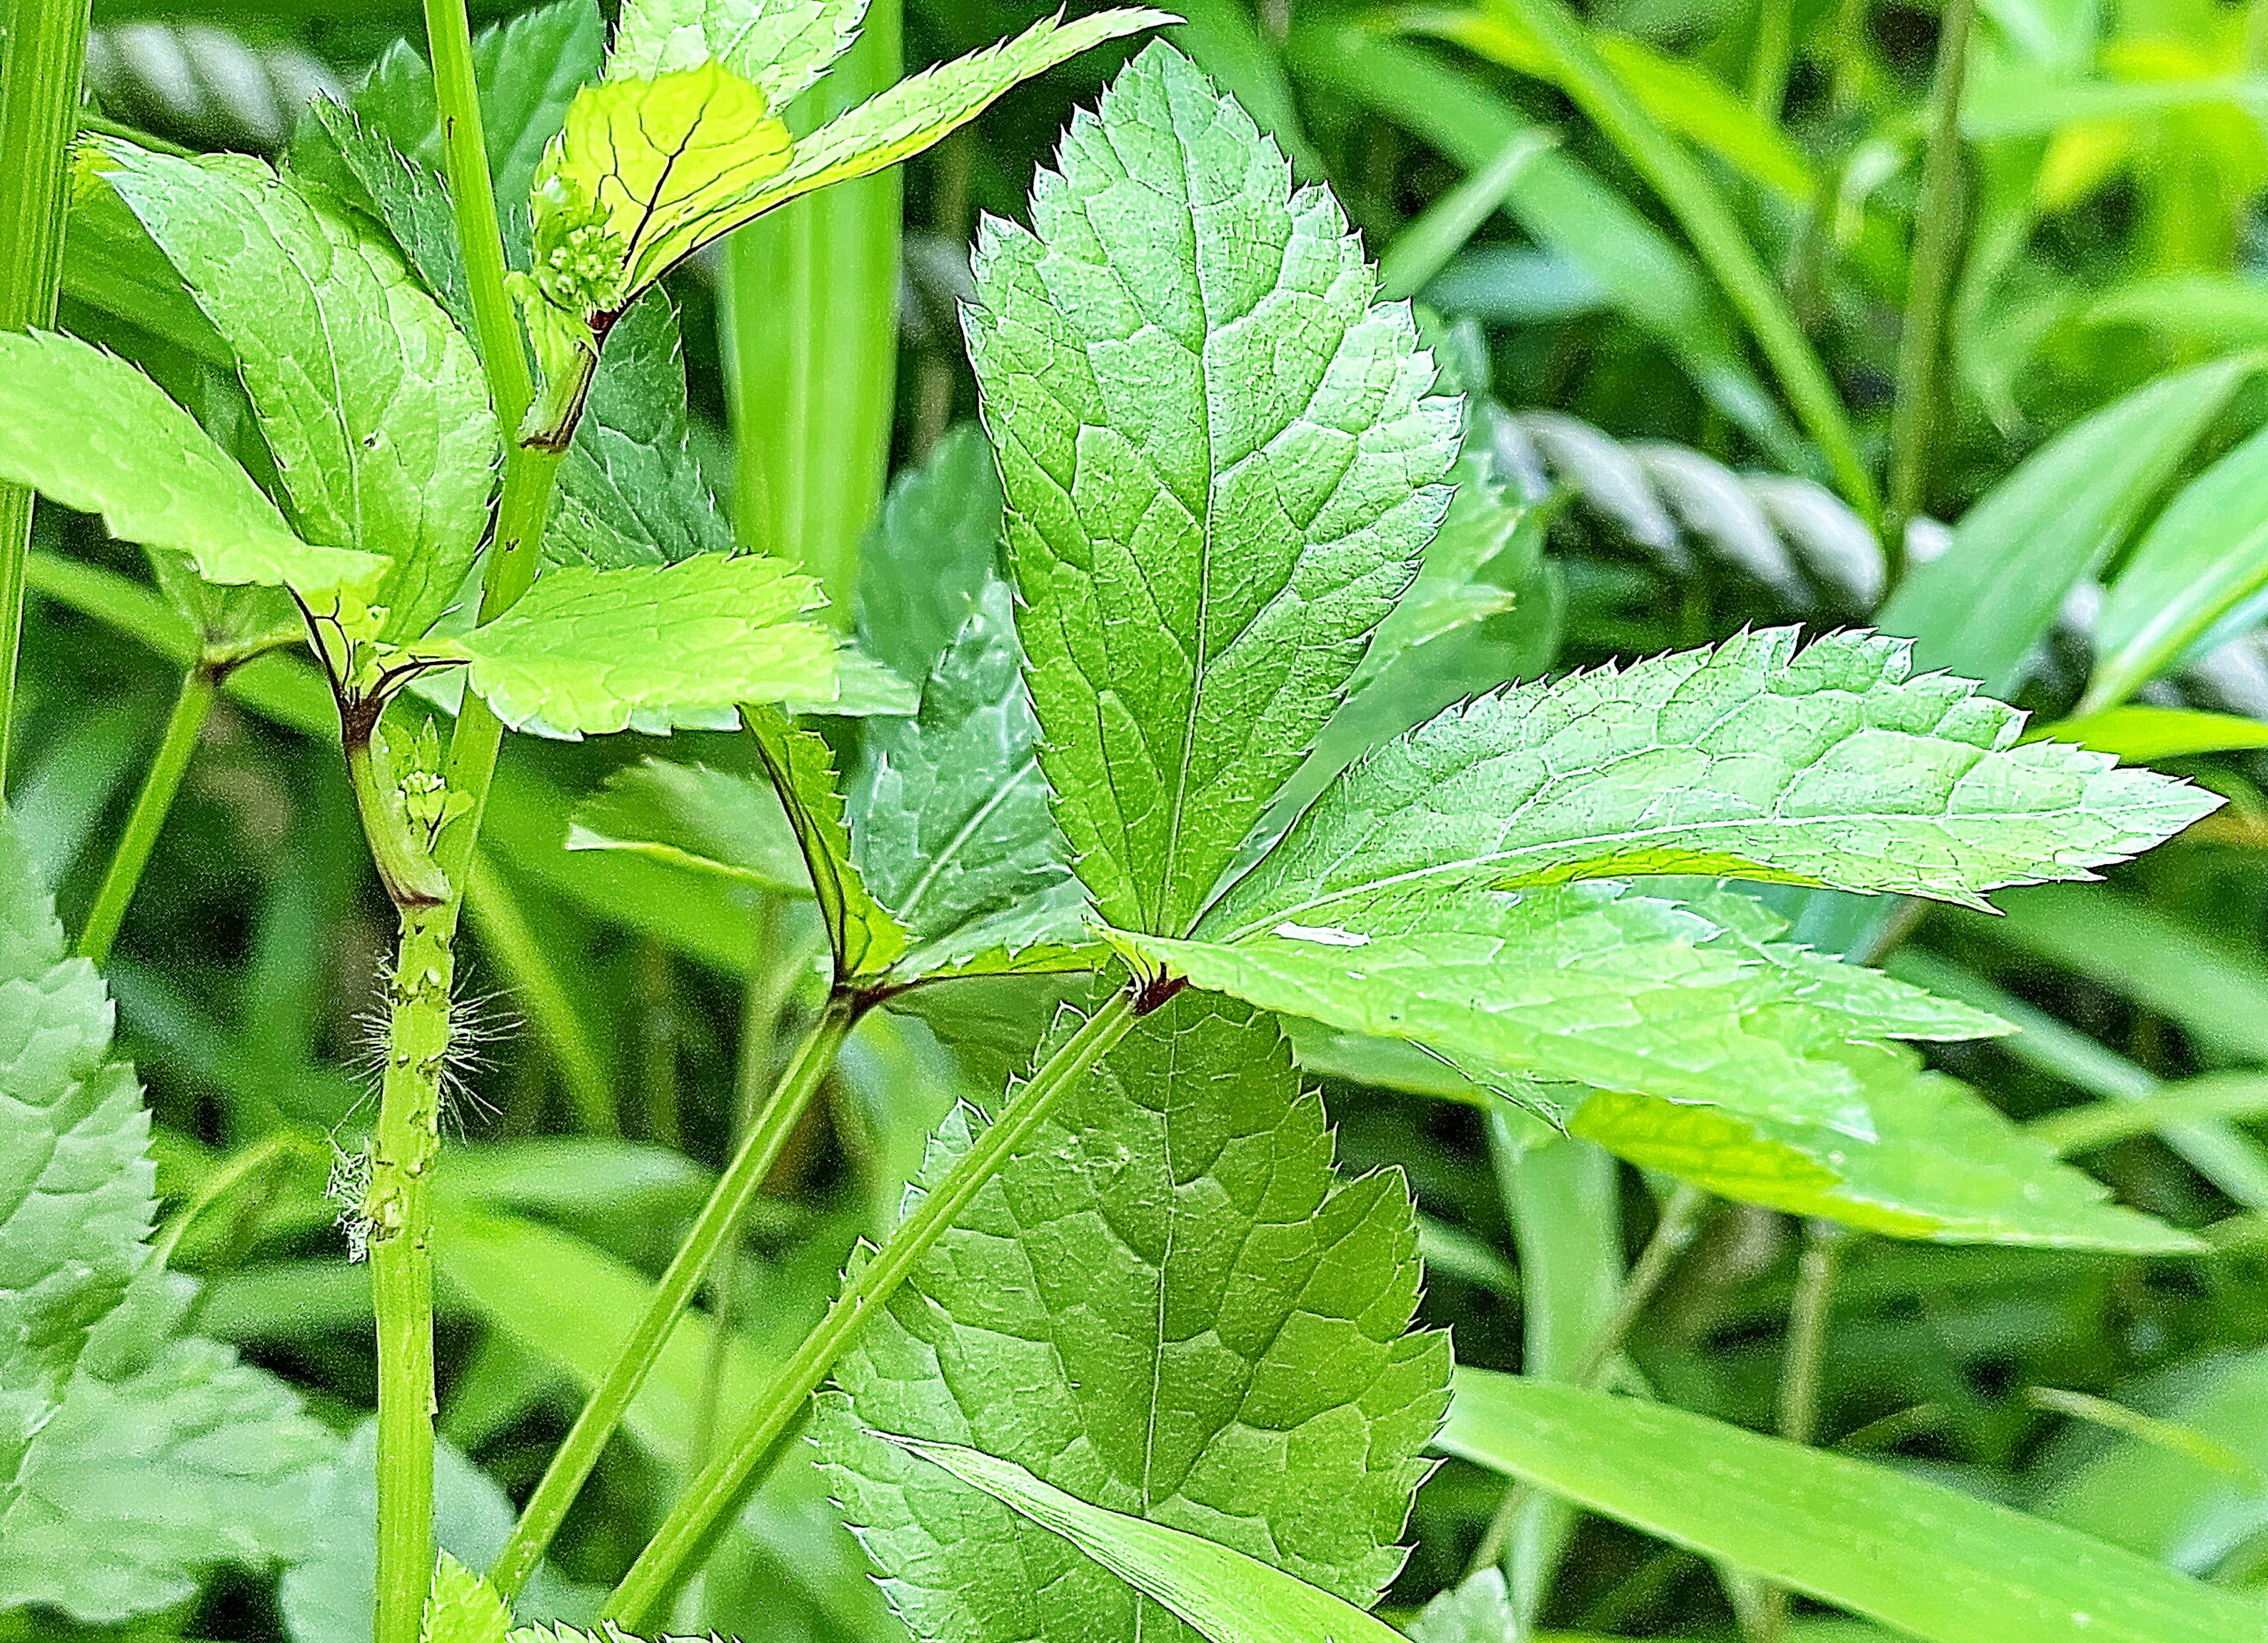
point(399, 1212)
point(131, 854)
point(1929, 290)
point(720, 1217)
point(716, 1496)
point(40, 61)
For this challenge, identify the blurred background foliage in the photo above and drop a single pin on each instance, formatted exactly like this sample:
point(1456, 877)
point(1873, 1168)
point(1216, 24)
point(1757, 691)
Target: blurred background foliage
point(1677, 252)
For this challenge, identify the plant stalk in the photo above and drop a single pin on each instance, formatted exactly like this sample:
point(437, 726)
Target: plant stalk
point(1820, 1265)
point(398, 1210)
point(716, 1496)
point(40, 65)
point(131, 854)
point(719, 1219)
point(1937, 256)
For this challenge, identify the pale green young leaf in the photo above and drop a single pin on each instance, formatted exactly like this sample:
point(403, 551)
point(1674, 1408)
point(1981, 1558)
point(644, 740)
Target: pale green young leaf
point(720, 822)
point(168, 1459)
point(1941, 1165)
point(78, 1194)
point(1243, 1291)
point(1222, 467)
point(1222, 1595)
point(1827, 766)
point(931, 554)
point(1585, 984)
point(371, 401)
point(781, 46)
point(650, 647)
point(85, 429)
point(463, 1608)
point(1935, 1563)
point(644, 172)
point(864, 935)
point(950, 825)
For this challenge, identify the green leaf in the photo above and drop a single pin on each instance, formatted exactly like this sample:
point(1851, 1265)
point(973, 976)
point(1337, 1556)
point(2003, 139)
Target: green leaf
point(714, 822)
point(650, 647)
point(950, 825)
point(629, 490)
point(2139, 735)
point(465, 1608)
point(1980, 608)
point(931, 555)
point(1830, 766)
point(864, 935)
point(1939, 1565)
point(781, 46)
point(1591, 984)
point(1220, 466)
point(2200, 559)
point(1225, 1595)
point(370, 400)
point(1940, 1165)
point(1243, 1292)
point(78, 1192)
point(86, 430)
point(167, 1458)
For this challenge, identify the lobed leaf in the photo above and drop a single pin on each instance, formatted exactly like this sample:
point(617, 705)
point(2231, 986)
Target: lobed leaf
point(931, 554)
point(78, 1195)
point(650, 647)
point(949, 812)
point(715, 822)
point(1828, 765)
point(85, 429)
point(781, 46)
point(371, 401)
point(463, 1608)
point(1220, 466)
point(167, 1460)
point(1169, 1305)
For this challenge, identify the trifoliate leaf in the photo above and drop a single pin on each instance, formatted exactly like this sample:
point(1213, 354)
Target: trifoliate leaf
point(463, 1608)
point(1220, 1595)
point(1220, 469)
point(781, 46)
point(1171, 1306)
point(370, 400)
point(651, 648)
point(76, 1194)
point(931, 555)
point(1830, 766)
point(866, 937)
point(1941, 1165)
point(85, 429)
point(721, 822)
point(1588, 984)
point(949, 815)
point(168, 1459)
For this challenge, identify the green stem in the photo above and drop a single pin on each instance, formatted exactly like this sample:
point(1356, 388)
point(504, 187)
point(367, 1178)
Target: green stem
point(716, 1496)
point(1681, 1218)
point(1800, 1376)
point(1937, 256)
point(45, 49)
point(1768, 61)
point(720, 1217)
point(399, 1212)
point(131, 855)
